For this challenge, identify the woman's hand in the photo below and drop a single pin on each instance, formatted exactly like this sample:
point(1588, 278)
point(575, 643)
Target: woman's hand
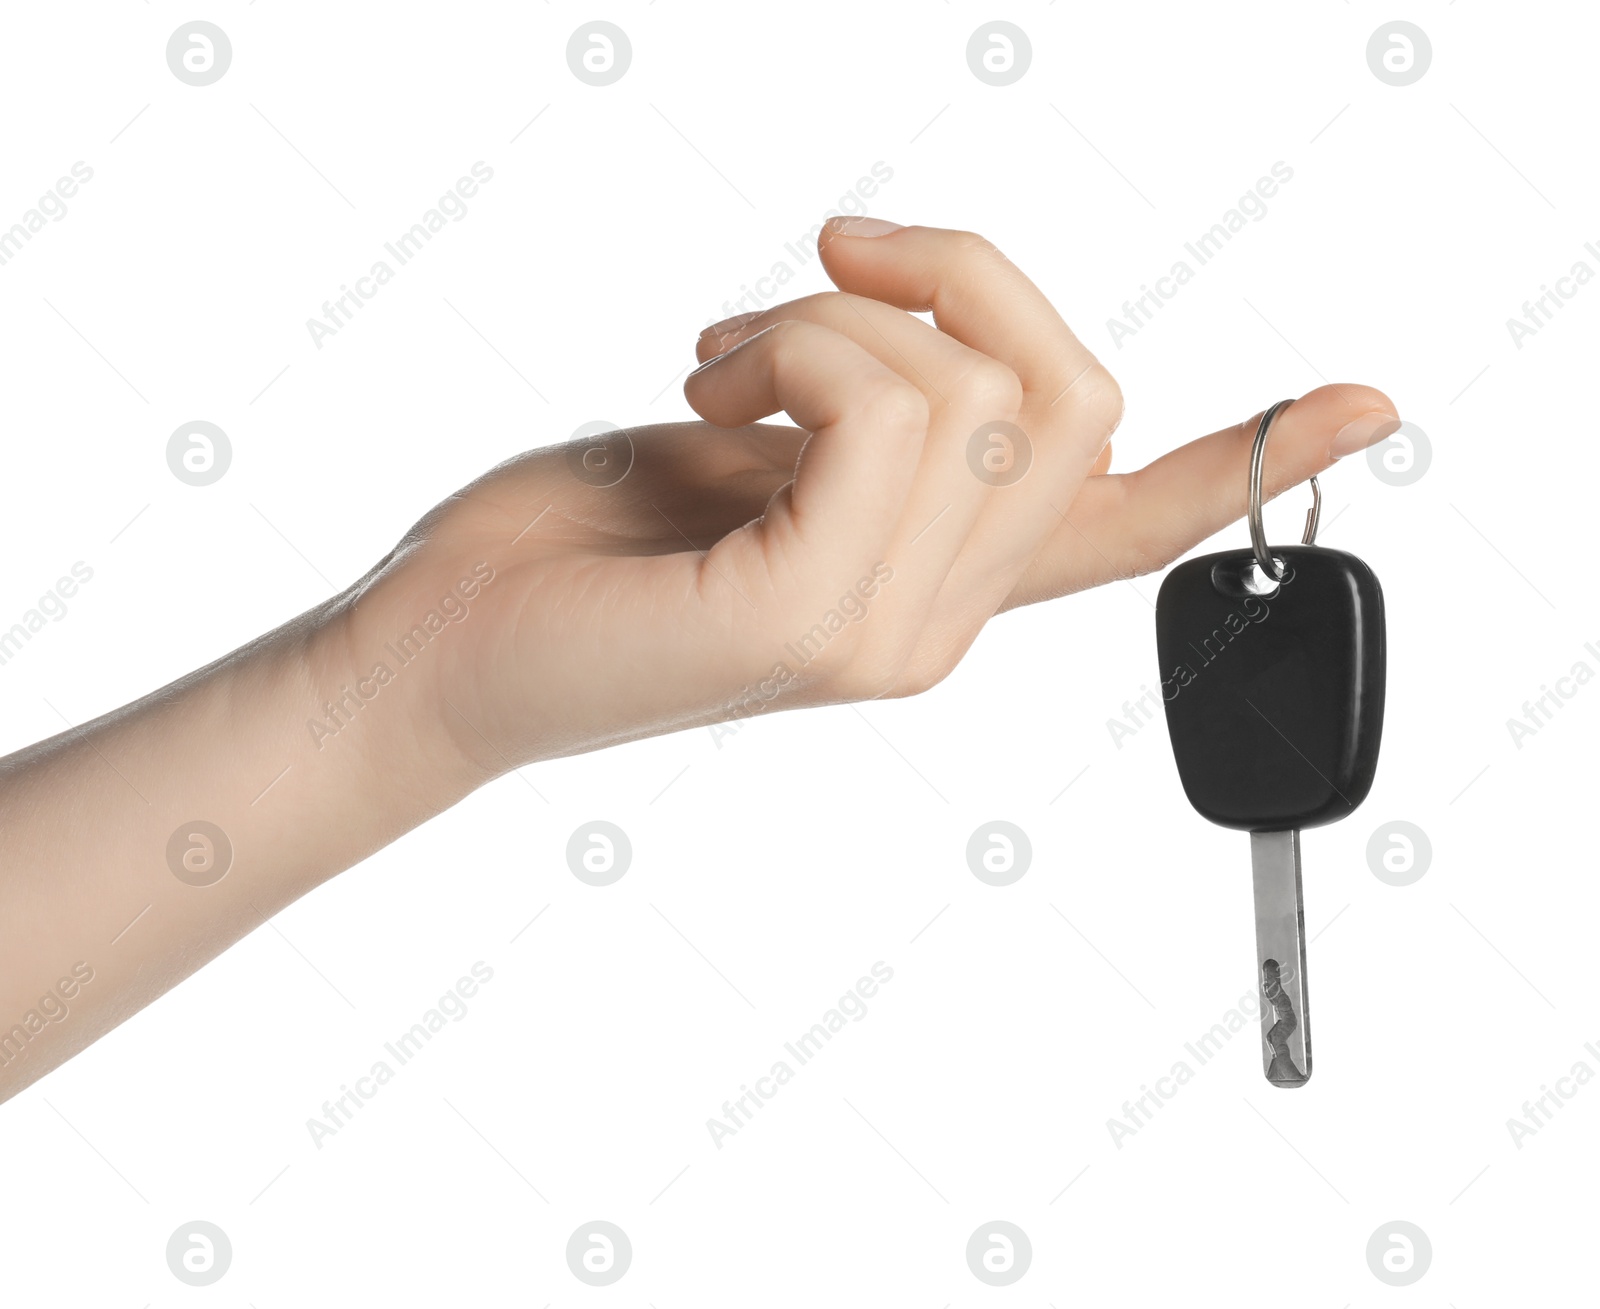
point(671, 576)
point(594, 593)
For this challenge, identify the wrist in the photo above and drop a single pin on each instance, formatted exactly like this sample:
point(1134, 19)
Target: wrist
point(390, 675)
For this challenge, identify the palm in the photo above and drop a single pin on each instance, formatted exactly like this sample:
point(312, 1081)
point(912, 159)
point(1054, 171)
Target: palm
point(648, 578)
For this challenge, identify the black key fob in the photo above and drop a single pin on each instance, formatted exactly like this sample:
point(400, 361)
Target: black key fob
point(1274, 698)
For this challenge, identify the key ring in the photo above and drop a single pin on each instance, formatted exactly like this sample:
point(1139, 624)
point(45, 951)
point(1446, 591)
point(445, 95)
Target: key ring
point(1258, 535)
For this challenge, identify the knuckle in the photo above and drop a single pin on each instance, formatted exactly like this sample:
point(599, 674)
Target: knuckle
point(1093, 400)
point(888, 664)
point(990, 388)
point(976, 258)
point(787, 335)
point(975, 245)
point(1101, 400)
point(897, 407)
point(788, 341)
point(869, 674)
point(919, 677)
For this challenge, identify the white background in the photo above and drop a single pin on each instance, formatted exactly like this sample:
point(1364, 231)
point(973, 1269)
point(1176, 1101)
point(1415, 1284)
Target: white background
point(808, 846)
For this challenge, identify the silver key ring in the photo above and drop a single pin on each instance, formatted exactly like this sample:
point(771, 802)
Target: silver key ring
point(1258, 534)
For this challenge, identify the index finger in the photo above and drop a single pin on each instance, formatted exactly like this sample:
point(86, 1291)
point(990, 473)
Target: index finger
point(976, 295)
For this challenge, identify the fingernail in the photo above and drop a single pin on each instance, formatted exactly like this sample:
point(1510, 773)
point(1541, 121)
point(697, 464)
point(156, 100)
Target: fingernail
point(1361, 432)
point(860, 225)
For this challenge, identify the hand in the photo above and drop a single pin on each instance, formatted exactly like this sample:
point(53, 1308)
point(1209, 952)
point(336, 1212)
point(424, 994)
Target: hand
point(699, 572)
point(706, 571)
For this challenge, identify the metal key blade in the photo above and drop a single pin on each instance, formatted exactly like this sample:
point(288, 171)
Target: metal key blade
point(1281, 957)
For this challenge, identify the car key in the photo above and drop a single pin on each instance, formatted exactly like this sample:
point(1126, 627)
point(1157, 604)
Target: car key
point(1272, 673)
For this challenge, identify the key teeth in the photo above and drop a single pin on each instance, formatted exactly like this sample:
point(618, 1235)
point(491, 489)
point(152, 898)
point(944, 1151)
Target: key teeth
point(1281, 1069)
point(1280, 958)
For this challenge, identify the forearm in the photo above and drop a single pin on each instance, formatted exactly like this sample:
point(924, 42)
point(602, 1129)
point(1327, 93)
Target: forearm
point(108, 865)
